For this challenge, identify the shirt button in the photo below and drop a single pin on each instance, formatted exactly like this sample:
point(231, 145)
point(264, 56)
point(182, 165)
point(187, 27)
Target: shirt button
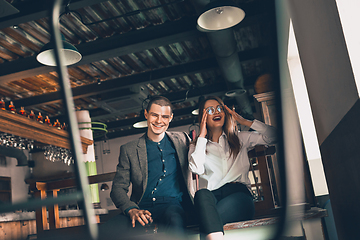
point(154, 199)
point(158, 143)
point(160, 179)
point(160, 150)
point(163, 160)
point(154, 189)
point(164, 170)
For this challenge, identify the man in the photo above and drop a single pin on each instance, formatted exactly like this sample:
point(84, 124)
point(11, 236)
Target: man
point(156, 165)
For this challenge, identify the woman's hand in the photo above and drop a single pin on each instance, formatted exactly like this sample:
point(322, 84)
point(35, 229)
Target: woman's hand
point(203, 130)
point(239, 118)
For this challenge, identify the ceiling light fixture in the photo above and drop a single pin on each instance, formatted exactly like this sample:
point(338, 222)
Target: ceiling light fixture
point(142, 123)
point(235, 93)
point(72, 55)
point(46, 55)
point(196, 111)
point(220, 15)
point(104, 187)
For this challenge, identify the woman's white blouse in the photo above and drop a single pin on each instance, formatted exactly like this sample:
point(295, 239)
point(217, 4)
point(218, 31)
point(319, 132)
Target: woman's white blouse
point(212, 161)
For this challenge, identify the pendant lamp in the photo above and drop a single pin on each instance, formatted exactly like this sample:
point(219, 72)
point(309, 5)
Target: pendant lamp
point(46, 55)
point(220, 15)
point(104, 187)
point(142, 123)
point(196, 111)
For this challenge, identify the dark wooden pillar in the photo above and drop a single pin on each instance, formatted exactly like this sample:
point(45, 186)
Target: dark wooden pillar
point(41, 214)
point(54, 219)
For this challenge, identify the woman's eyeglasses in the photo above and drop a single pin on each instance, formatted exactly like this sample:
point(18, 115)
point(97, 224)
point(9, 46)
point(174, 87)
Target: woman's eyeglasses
point(211, 110)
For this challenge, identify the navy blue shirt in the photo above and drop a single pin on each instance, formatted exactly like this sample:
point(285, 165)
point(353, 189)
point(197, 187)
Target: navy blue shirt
point(163, 171)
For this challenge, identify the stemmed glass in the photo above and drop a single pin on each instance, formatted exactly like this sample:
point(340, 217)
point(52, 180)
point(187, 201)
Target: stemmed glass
point(57, 154)
point(10, 140)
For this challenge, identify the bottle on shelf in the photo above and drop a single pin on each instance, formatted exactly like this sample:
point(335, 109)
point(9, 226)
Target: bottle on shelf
point(57, 124)
point(12, 107)
point(22, 111)
point(32, 115)
point(47, 120)
point(64, 126)
point(2, 104)
point(40, 118)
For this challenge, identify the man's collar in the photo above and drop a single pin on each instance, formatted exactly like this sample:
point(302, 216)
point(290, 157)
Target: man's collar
point(148, 139)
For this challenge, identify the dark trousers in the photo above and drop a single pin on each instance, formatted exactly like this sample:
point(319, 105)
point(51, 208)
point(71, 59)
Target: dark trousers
point(168, 217)
point(230, 203)
point(168, 214)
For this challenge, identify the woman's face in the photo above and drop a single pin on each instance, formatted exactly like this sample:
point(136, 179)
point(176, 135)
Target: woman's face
point(215, 114)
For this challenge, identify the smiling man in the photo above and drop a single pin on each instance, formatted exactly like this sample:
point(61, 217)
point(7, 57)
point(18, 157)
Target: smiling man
point(156, 165)
point(158, 116)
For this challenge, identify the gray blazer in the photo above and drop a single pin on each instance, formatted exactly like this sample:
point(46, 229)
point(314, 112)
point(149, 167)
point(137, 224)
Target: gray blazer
point(133, 168)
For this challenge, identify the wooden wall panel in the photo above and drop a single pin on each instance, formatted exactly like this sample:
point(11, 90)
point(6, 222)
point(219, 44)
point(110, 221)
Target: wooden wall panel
point(22, 229)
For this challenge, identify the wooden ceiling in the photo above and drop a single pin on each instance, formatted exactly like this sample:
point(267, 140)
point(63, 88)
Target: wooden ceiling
point(156, 49)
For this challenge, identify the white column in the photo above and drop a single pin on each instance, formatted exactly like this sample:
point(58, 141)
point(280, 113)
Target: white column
point(84, 120)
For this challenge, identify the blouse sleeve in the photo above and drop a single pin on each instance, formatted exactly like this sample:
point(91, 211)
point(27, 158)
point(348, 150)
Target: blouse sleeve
point(264, 134)
point(197, 154)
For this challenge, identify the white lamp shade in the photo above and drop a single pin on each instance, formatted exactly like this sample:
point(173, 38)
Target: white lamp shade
point(218, 17)
point(141, 124)
point(47, 57)
point(236, 93)
point(195, 112)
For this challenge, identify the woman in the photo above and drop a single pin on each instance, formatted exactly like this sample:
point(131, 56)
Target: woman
point(219, 157)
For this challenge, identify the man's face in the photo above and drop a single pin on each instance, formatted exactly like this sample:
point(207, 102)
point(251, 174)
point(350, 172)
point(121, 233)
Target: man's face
point(158, 119)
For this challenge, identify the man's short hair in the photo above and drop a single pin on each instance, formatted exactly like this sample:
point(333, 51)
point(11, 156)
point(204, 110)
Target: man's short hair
point(159, 100)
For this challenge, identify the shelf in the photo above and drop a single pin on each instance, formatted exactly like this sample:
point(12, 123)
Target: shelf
point(41, 133)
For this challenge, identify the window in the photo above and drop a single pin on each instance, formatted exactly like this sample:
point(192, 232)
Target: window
point(5, 190)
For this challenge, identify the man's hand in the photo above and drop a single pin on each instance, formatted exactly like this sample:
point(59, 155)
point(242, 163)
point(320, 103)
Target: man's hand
point(142, 216)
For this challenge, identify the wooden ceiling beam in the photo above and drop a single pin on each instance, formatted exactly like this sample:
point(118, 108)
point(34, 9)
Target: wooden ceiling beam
point(31, 12)
point(136, 79)
point(139, 40)
point(103, 49)
point(123, 82)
